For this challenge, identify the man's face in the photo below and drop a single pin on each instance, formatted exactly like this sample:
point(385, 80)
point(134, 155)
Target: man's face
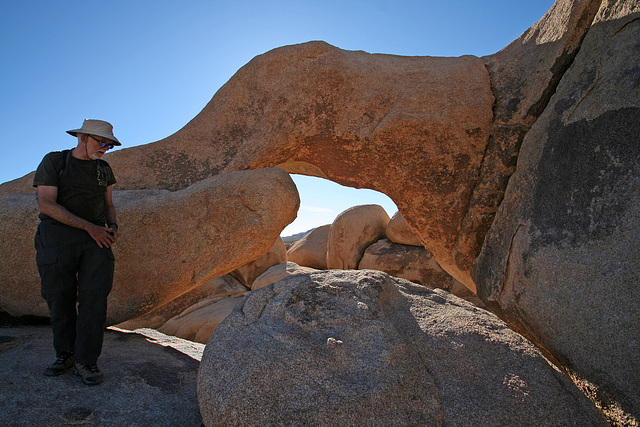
point(97, 146)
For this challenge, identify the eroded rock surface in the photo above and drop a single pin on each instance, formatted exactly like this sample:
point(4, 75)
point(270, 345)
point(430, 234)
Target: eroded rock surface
point(279, 272)
point(524, 76)
point(413, 263)
point(213, 290)
point(198, 321)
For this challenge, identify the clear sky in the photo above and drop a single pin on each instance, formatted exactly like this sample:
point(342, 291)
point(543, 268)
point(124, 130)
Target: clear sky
point(149, 66)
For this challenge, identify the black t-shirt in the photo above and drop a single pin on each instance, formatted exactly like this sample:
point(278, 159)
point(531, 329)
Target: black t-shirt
point(81, 185)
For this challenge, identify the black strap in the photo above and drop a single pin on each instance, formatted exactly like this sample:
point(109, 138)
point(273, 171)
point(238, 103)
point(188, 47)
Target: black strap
point(66, 160)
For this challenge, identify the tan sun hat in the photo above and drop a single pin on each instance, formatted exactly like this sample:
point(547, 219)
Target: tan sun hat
point(96, 127)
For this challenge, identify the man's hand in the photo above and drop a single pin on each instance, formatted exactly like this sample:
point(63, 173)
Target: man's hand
point(104, 236)
point(114, 231)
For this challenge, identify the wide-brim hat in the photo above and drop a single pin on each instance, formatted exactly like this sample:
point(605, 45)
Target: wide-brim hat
point(96, 127)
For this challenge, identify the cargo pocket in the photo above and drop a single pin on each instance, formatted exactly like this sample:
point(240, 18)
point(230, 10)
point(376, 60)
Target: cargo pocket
point(46, 259)
point(46, 256)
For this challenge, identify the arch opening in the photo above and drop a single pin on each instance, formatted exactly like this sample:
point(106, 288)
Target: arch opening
point(322, 200)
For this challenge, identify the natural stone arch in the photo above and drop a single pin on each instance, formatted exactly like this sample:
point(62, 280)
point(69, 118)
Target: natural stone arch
point(413, 128)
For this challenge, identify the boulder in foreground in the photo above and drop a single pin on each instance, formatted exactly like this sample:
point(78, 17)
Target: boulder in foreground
point(362, 348)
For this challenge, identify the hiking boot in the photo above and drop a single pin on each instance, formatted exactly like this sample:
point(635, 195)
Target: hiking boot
point(91, 374)
point(63, 363)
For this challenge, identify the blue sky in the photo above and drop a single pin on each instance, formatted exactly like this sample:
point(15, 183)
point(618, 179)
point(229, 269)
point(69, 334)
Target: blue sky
point(151, 66)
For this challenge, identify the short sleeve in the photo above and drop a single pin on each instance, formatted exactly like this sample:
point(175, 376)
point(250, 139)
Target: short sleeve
point(111, 179)
point(48, 172)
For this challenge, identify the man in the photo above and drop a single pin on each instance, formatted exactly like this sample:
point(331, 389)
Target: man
point(73, 247)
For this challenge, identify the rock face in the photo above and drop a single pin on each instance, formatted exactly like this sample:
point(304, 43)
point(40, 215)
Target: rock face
point(195, 315)
point(419, 129)
point(361, 348)
point(19, 279)
point(247, 273)
point(228, 208)
point(157, 257)
point(524, 75)
point(561, 262)
point(311, 250)
point(352, 232)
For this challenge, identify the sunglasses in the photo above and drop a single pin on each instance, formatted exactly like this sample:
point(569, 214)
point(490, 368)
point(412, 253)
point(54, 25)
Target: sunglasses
point(102, 143)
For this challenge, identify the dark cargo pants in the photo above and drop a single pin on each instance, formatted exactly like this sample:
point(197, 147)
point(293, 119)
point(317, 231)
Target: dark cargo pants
point(74, 271)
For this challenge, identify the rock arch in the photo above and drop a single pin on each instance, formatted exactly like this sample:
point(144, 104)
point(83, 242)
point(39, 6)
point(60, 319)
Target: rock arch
point(413, 128)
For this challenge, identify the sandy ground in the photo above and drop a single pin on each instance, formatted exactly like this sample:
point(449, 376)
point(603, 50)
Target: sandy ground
point(150, 380)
